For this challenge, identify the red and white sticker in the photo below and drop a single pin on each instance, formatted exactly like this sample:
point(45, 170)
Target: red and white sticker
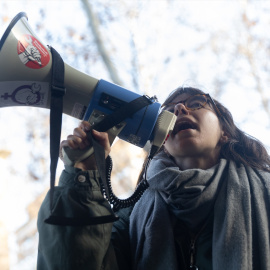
point(32, 53)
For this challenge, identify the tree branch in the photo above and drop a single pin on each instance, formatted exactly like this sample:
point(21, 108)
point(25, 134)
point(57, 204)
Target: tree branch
point(94, 25)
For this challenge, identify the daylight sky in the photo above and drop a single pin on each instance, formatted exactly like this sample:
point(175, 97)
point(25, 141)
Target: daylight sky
point(164, 39)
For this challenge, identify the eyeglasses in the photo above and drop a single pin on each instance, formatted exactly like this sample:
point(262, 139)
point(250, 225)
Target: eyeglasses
point(193, 103)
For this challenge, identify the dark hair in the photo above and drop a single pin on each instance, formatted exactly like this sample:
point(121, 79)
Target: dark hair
point(240, 147)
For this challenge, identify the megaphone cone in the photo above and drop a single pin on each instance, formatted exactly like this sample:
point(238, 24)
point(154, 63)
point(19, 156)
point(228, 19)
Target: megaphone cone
point(25, 64)
point(26, 71)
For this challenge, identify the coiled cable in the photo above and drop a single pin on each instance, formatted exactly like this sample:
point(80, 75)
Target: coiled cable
point(113, 199)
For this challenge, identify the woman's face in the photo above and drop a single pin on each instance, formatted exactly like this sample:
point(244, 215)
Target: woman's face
point(196, 133)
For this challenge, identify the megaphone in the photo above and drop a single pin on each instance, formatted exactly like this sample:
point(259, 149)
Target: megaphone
point(25, 72)
point(25, 77)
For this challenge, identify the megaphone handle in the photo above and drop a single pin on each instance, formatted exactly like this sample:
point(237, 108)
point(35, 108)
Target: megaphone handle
point(71, 156)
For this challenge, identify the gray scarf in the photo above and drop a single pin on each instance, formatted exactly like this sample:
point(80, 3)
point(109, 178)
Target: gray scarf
point(238, 196)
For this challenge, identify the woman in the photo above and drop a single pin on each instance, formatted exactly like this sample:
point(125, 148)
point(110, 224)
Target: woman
point(207, 205)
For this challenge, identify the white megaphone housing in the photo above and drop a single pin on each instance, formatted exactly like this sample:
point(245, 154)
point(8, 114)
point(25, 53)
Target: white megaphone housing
point(25, 74)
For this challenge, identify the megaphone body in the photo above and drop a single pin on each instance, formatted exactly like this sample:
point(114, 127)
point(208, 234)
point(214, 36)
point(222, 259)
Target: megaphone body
point(25, 73)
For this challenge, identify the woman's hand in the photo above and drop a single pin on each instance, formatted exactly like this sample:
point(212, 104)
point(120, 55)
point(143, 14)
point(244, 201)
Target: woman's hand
point(79, 141)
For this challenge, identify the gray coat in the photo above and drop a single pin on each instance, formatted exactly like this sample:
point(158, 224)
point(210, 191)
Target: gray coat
point(104, 246)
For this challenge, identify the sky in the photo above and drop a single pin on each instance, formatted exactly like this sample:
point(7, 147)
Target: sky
point(156, 38)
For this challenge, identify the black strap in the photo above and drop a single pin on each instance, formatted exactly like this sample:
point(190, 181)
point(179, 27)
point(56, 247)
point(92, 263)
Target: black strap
point(82, 221)
point(101, 164)
point(58, 90)
point(122, 113)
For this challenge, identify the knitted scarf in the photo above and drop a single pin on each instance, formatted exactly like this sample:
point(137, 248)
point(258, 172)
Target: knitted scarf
point(237, 196)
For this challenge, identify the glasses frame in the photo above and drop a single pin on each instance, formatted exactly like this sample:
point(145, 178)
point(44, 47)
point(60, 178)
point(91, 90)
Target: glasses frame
point(208, 100)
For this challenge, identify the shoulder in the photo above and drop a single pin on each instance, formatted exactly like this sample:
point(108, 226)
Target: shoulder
point(261, 177)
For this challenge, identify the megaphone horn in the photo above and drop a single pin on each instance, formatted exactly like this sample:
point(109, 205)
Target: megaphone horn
point(26, 70)
point(25, 65)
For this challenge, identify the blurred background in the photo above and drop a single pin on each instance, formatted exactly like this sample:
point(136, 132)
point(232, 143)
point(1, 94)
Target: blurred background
point(149, 47)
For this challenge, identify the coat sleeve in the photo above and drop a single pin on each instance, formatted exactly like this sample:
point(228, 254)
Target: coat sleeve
point(79, 247)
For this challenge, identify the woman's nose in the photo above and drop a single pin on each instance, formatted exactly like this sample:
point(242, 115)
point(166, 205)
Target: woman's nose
point(180, 108)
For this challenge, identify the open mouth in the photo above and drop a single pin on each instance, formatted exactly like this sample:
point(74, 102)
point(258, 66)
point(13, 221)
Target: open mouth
point(183, 126)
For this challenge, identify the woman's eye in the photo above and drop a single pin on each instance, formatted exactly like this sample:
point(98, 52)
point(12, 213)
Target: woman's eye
point(195, 104)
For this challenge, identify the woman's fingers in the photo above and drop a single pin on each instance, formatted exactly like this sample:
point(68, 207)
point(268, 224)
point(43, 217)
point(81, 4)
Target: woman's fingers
point(85, 126)
point(79, 140)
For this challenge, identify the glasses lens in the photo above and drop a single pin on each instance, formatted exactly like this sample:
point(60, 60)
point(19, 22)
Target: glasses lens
point(196, 102)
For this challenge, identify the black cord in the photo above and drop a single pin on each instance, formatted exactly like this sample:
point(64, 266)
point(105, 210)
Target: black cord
point(123, 203)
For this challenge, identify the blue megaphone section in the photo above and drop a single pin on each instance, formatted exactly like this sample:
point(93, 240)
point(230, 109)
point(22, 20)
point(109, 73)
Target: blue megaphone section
point(108, 97)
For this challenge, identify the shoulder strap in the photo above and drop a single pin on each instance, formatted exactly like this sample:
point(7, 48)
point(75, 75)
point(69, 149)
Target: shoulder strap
point(58, 91)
